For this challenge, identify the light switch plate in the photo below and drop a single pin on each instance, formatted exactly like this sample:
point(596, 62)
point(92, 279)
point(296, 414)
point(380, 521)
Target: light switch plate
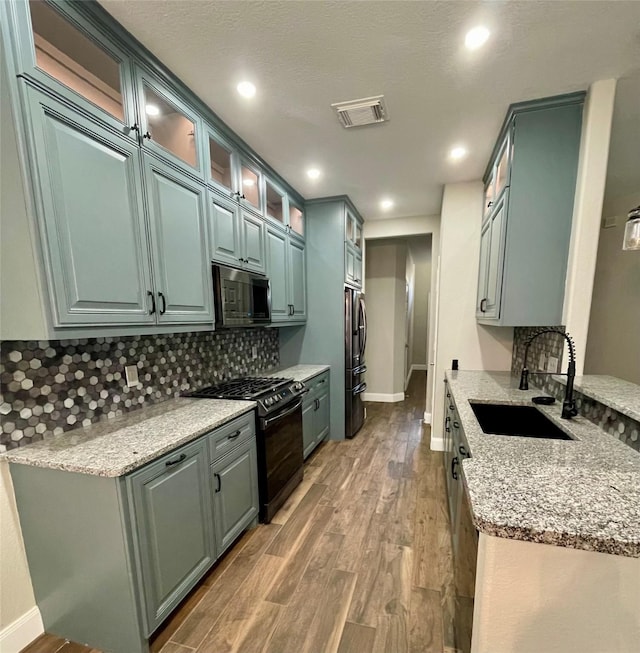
point(552, 364)
point(131, 375)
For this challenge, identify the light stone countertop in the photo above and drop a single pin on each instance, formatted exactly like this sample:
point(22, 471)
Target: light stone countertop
point(620, 395)
point(118, 446)
point(581, 494)
point(300, 372)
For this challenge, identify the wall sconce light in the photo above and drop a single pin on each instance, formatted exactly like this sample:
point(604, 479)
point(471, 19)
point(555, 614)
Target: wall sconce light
point(632, 231)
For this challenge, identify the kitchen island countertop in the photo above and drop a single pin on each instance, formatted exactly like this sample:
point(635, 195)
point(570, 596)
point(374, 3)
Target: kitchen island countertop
point(582, 493)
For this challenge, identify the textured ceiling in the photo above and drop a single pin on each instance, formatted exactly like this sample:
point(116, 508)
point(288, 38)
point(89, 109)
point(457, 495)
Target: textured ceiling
point(305, 55)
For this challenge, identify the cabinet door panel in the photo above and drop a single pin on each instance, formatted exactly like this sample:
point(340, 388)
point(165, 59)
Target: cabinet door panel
point(253, 239)
point(308, 429)
point(321, 417)
point(357, 269)
point(91, 207)
point(485, 242)
point(177, 209)
point(224, 231)
point(173, 523)
point(494, 267)
point(277, 270)
point(350, 264)
point(298, 279)
point(235, 484)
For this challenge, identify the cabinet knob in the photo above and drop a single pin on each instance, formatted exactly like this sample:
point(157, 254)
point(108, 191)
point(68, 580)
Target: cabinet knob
point(134, 127)
point(147, 135)
point(489, 204)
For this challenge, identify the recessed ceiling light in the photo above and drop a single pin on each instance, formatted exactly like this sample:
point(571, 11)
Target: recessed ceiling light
point(313, 173)
point(458, 152)
point(152, 110)
point(248, 182)
point(246, 89)
point(476, 37)
point(387, 204)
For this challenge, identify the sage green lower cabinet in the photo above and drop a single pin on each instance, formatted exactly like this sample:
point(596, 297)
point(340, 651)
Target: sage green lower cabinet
point(177, 208)
point(235, 488)
point(90, 205)
point(172, 520)
point(111, 557)
point(287, 272)
point(316, 412)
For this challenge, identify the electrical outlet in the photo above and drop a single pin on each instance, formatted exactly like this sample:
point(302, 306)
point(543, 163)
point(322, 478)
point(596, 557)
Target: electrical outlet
point(552, 364)
point(542, 361)
point(254, 351)
point(131, 376)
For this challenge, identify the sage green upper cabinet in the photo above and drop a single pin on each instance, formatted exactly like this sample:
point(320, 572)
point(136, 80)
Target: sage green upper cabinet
point(168, 127)
point(491, 259)
point(286, 269)
point(253, 230)
point(173, 523)
point(251, 187)
point(223, 165)
point(60, 49)
point(296, 219)
point(275, 203)
point(177, 211)
point(89, 200)
point(353, 249)
point(529, 192)
point(237, 237)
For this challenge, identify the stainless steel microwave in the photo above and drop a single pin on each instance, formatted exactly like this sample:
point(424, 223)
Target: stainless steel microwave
point(240, 298)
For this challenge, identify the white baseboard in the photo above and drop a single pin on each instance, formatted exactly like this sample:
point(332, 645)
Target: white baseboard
point(427, 418)
point(437, 444)
point(386, 398)
point(21, 632)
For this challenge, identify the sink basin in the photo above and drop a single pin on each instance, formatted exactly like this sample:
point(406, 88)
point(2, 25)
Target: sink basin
point(523, 421)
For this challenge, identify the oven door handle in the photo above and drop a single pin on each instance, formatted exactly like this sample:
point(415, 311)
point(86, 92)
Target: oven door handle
point(268, 422)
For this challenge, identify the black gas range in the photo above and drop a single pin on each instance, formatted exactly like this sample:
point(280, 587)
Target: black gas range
point(278, 433)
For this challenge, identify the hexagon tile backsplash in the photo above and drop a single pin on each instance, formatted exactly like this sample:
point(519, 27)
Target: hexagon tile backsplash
point(47, 387)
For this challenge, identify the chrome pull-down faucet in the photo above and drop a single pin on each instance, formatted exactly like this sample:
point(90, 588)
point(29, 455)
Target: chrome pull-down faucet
point(569, 409)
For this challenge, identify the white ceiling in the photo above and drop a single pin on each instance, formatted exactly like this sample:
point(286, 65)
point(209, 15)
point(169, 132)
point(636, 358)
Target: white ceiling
point(305, 55)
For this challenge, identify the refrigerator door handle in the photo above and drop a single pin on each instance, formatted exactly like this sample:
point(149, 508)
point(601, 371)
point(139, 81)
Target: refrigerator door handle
point(359, 389)
point(361, 369)
point(363, 325)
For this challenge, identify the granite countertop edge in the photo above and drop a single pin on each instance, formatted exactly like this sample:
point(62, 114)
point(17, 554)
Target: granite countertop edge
point(301, 372)
point(35, 455)
point(495, 486)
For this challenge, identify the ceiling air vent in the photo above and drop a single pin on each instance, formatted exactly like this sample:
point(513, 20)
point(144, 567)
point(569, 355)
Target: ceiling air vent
point(366, 111)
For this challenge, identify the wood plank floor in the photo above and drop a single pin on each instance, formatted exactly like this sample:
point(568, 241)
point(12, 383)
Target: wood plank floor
point(357, 561)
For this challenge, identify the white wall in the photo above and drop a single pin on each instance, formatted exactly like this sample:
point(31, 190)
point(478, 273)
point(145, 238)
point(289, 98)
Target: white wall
point(613, 344)
point(412, 226)
point(411, 291)
point(419, 344)
point(587, 212)
point(458, 334)
point(538, 598)
point(386, 284)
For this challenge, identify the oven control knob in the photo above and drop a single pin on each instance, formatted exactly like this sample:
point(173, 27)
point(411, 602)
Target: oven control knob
point(268, 401)
point(277, 398)
point(298, 386)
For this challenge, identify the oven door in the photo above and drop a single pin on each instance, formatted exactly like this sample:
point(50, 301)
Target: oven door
point(280, 457)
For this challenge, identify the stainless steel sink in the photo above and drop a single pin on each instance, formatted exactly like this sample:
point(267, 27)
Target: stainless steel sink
point(522, 421)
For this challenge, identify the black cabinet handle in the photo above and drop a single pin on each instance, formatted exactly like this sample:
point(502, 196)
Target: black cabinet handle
point(483, 305)
point(177, 461)
point(451, 407)
point(448, 395)
point(454, 464)
point(446, 424)
point(163, 310)
point(134, 127)
point(233, 436)
point(490, 204)
point(219, 480)
point(146, 135)
point(241, 260)
point(246, 260)
point(456, 425)
point(152, 310)
point(463, 451)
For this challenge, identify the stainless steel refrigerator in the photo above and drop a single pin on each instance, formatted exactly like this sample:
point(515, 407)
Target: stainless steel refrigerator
point(355, 341)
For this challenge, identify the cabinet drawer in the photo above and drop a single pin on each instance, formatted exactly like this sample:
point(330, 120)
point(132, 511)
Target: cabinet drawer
point(318, 383)
point(225, 438)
